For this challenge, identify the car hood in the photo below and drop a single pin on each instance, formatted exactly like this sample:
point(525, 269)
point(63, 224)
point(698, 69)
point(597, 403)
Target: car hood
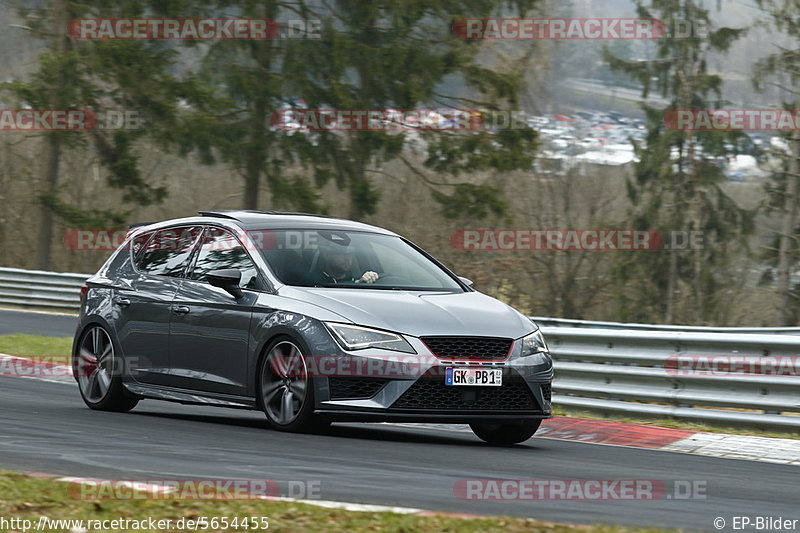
point(419, 313)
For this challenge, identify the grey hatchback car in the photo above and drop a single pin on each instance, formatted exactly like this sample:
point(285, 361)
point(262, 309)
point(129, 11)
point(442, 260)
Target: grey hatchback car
point(310, 319)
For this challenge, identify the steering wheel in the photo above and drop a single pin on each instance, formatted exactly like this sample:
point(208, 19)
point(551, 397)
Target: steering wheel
point(391, 279)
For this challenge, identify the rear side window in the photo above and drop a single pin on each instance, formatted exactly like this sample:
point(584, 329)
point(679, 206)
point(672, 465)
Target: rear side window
point(138, 243)
point(167, 252)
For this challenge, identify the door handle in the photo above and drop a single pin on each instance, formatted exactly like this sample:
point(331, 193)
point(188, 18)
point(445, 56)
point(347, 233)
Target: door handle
point(180, 309)
point(122, 302)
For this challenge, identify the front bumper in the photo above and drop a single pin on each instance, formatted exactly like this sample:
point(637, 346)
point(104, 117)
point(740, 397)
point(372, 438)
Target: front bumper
point(417, 392)
point(422, 417)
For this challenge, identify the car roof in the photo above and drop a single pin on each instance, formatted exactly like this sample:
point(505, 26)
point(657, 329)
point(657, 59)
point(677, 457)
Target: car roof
point(262, 220)
point(250, 219)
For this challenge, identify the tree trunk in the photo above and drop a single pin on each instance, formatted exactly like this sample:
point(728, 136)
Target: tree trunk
point(787, 245)
point(672, 282)
point(254, 165)
point(5, 210)
point(45, 239)
point(258, 144)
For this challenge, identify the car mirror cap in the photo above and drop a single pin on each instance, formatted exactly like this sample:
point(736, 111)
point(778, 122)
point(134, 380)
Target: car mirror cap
point(227, 279)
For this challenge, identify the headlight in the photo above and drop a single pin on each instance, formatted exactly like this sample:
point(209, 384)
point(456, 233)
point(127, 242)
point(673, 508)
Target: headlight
point(358, 338)
point(534, 343)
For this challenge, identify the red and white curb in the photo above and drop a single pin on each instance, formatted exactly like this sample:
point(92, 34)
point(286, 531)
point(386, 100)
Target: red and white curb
point(22, 367)
point(766, 449)
point(610, 433)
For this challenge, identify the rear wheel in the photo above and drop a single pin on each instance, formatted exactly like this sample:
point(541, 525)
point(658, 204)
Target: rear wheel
point(505, 434)
point(98, 372)
point(286, 391)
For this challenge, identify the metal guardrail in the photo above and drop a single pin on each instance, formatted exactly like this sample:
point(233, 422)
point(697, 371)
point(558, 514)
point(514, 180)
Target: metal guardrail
point(545, 321)
point(607, 367)
point(39, 289)
point(635, 373)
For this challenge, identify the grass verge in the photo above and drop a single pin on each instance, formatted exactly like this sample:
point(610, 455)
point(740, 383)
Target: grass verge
point(25, 497)
point(50, 349)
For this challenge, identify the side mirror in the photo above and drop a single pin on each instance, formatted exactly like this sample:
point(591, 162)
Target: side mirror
point(227, 279)
point(466, 281)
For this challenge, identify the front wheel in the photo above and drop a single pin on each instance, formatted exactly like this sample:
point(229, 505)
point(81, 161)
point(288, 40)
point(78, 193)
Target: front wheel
point(98, 372)
point(286, 391)
point(505, 434)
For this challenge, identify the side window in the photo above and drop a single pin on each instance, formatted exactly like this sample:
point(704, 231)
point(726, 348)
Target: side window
point(167, 252)
point(219, 249)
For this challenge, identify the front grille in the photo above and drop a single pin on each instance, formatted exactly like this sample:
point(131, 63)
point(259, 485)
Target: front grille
point(473, 348)
point(355, 388)
point(430, 393)
point(547, 391)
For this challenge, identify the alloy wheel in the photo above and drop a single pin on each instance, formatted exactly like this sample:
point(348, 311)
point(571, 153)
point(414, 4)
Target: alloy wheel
point(284, 383)
point(93, 364)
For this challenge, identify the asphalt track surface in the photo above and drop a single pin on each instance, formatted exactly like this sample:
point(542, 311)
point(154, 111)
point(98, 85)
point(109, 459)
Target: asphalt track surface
point(31, 323)
point(46, 428)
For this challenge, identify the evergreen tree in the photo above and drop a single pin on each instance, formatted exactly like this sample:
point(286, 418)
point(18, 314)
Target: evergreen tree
point(784, 188)
point(97, 76)
point(390, 54)
point(677, 182)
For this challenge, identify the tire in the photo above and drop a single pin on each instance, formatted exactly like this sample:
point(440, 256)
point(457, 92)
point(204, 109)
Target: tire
point(506, 434)
point(285, 390)
point(98, 372)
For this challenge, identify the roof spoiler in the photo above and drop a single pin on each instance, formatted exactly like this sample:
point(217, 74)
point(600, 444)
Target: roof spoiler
point(218, 214)
point(231, 213)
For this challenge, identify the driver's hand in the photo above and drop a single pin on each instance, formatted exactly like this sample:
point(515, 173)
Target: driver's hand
point(369, 277)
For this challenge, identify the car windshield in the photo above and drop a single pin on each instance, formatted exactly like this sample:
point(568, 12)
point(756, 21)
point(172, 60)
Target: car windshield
point(345, 259)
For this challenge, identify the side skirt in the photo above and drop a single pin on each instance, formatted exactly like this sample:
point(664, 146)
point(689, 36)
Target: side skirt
point(189, 397)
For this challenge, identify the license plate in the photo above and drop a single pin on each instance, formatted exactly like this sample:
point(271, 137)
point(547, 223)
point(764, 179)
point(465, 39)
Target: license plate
point(480, 377)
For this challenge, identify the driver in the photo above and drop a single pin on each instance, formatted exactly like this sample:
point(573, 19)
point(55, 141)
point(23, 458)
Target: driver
point(336, 265)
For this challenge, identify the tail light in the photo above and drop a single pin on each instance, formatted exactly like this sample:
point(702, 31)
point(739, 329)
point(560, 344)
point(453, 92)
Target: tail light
point(84, 290)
